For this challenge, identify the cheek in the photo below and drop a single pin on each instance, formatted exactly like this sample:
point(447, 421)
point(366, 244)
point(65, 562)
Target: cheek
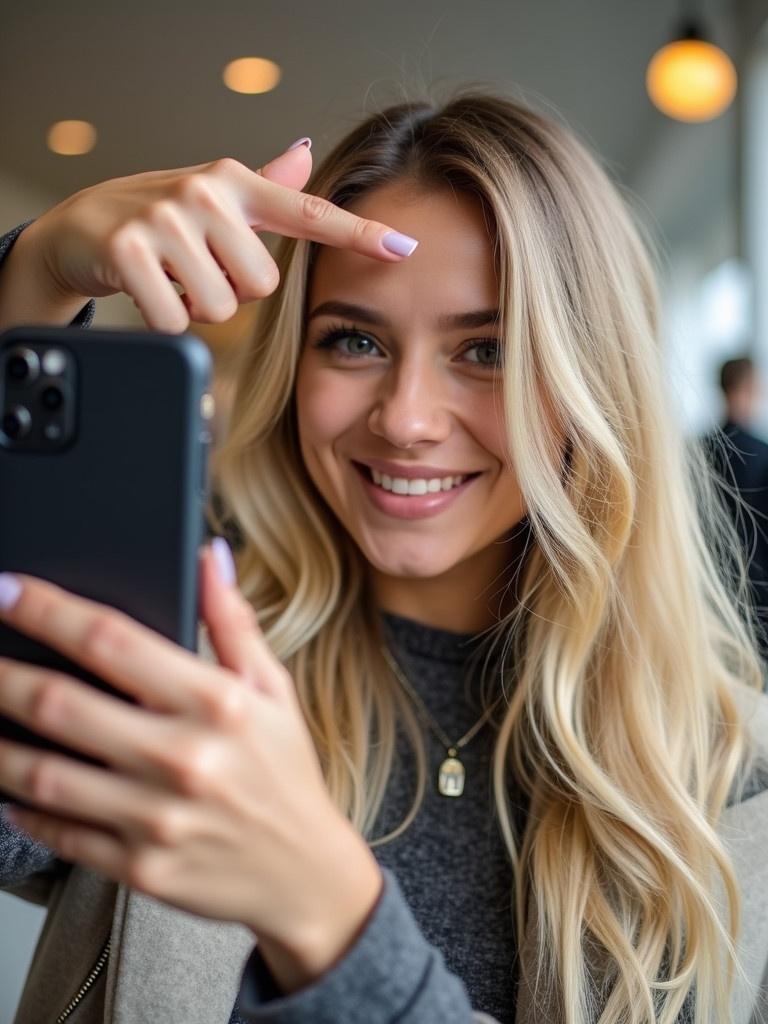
point(484, 420)
point(327, 407)
point(487, 426)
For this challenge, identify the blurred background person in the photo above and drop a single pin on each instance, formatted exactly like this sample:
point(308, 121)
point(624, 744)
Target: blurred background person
point(741, 461)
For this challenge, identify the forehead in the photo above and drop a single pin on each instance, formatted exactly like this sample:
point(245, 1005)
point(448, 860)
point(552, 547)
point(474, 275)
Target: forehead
point(452, 269)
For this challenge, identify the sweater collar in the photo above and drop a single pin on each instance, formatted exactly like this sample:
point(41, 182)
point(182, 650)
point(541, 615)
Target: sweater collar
point(428, 641)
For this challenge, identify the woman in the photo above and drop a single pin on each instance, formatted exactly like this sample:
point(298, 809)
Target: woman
point(528, 728)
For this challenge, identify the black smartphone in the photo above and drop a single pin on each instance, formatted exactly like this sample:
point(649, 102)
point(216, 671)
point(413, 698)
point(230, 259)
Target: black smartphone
point(103, 476)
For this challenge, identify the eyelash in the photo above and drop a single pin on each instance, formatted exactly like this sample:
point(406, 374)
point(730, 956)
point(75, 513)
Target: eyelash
point(339, 332)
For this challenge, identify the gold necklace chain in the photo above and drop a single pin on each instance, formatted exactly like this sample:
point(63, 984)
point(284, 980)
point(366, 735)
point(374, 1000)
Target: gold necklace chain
point(452, 774)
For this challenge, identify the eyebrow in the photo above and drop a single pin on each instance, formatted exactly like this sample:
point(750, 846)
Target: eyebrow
point(467, 321)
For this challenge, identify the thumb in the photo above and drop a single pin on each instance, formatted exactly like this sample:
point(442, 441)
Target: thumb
point(293, 167)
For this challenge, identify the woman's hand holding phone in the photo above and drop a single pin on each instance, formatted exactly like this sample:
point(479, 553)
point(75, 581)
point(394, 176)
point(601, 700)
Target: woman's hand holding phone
point(213, 799)
point(196, 226)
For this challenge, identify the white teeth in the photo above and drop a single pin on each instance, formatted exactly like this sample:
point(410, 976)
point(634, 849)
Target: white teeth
point(399, 484)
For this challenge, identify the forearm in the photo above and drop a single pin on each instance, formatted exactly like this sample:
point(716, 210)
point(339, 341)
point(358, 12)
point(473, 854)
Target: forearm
point(28, 294)
point(391, 973)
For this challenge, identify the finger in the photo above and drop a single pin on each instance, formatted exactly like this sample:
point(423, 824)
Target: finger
point(269, 206)
point(142, 277)
point(64, 787)
point(74, 842)
point(233, 627)
point(135, 659)
point(184, 253)
point(293, 167)
point(252, 271)
point(80, 717)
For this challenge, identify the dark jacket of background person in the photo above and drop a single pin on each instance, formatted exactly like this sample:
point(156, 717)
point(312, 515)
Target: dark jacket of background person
point(741, 460)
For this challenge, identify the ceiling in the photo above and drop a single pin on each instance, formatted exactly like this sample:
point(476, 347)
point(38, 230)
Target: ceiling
point(148, 75)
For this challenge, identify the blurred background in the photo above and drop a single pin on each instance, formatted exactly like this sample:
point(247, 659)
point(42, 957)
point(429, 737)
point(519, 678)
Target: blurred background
point(148, 81)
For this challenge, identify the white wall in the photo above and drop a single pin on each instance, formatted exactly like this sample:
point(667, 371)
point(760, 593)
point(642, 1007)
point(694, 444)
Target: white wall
point(688, 183)
point(20, 925)
point(755, 219)
point(704, 191)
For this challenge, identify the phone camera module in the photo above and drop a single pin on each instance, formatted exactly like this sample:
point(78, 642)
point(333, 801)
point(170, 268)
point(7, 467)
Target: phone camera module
point(38, 392)
point(51, 399)
point(22, 365)
point(17, 423)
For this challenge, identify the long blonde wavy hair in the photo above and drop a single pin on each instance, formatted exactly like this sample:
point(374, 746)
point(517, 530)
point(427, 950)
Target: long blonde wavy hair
point(632, 635)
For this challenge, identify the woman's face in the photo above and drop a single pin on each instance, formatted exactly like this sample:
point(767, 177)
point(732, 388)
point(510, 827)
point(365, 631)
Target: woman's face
point(405, 386)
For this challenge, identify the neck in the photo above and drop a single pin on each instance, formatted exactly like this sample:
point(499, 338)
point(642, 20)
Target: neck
point(470, 597)
point(739, 412)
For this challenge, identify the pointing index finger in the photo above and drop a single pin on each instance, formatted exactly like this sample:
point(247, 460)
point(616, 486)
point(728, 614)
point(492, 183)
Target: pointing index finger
point(287, 211)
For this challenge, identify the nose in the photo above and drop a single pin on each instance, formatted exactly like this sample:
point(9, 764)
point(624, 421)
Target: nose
point(412, 406)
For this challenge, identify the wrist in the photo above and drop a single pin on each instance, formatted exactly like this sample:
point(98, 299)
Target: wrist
point(29, 294)
point(345, 895)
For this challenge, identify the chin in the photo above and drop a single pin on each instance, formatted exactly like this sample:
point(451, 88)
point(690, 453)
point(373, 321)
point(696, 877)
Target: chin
point(409, 564)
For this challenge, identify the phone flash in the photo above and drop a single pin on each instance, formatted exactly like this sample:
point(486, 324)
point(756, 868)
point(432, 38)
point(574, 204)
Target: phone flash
point(52, 432)
point(207, 406)
point(54, 362)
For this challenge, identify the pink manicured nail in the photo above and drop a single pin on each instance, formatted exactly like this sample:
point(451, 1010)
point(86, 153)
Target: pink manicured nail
point(305, 141)
point(400, 245)
point(225, 563)
point(10, 590)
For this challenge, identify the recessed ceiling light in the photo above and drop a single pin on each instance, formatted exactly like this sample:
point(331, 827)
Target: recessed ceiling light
point(71, 138)
point(251, 75)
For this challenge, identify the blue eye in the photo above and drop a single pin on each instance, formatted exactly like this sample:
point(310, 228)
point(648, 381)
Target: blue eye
point(491, 345)
point(350, 343)
point(331, 339)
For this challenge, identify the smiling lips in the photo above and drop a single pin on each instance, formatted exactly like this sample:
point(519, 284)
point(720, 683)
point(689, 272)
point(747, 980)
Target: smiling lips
point(417, 485)
point(412, 496)
point(412, 472)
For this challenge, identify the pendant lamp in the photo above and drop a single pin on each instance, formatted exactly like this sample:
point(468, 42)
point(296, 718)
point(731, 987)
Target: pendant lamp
point(691, 79)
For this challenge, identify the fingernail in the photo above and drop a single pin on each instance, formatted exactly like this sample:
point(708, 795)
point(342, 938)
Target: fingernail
point(400, 245)
point(225, 563)
point(10, 590)
point(305, 141)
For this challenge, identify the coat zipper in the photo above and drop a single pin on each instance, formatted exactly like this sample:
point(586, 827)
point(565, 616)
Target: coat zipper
point(93, 974)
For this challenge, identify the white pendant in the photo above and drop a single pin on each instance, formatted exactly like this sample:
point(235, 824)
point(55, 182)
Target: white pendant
point(450, 781)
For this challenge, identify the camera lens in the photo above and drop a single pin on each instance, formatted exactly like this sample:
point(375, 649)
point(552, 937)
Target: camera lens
point(17, 422)
point(17, 368)
point(22, 365)
point(51, 398)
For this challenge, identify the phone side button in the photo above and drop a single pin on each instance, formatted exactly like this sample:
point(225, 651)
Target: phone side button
point(203, 482)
